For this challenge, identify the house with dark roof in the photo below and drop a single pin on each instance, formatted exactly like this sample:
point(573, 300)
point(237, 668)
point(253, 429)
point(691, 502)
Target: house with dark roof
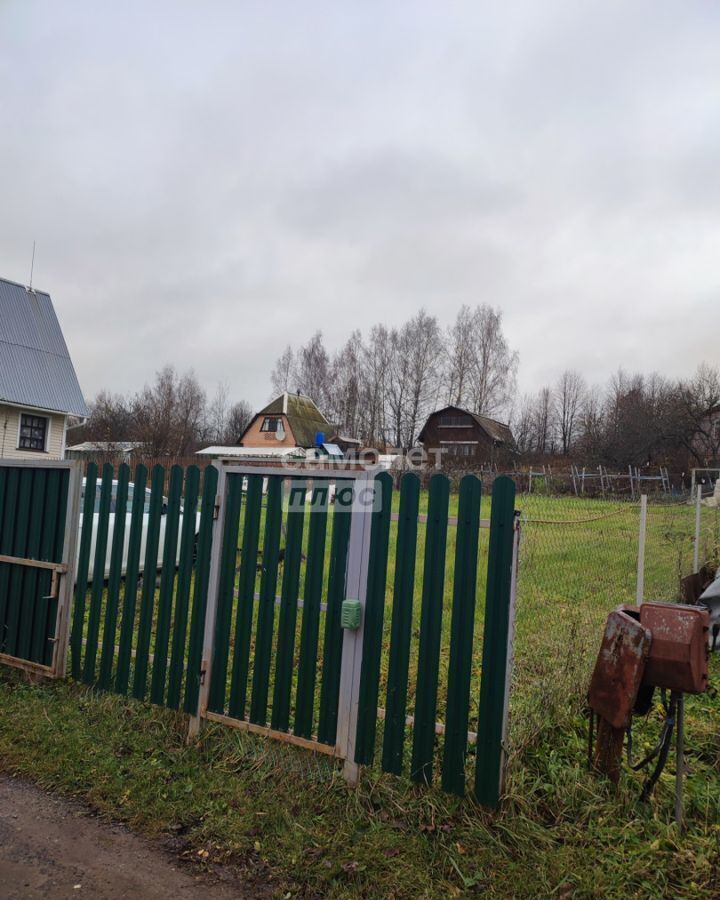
point(287, 426)
point(38, 385)
point(466, 437)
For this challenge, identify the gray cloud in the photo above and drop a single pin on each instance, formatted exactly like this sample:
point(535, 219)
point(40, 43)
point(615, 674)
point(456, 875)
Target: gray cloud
point(208, 183)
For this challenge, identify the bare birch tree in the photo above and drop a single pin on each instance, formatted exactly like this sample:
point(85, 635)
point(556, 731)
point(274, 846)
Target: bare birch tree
point(567, 400)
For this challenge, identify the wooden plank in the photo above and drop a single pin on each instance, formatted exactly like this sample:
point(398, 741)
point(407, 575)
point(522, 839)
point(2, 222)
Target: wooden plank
point(26, 665)
point(452, 520)
point(60, 601)
point(438, 727)
point(34, 563)
point(263, 730)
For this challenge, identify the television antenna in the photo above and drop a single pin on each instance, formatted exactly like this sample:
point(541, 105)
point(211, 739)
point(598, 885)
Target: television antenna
point(32, 265)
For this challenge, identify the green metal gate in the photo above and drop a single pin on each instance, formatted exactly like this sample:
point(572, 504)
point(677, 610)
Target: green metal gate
point(274, 643)
point(37, 540)
point(276, 660)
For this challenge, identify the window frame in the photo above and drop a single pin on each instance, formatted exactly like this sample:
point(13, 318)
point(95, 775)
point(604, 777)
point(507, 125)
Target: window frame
point(46, 436)
point(276, 419)
point(455, 420)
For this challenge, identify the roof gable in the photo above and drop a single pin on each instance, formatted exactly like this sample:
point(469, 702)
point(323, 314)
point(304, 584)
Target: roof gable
point(35, 366)
point(303, 416)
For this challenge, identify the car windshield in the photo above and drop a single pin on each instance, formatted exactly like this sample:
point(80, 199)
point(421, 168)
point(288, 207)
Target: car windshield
point(113, 498)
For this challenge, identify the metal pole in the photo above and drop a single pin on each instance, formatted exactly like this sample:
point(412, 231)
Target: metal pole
point(698, 512)
point(640, 588)
point(680, 762)
point(510, 647)
point(351, 660)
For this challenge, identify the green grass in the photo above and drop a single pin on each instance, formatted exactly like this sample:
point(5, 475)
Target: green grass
point(285, 816)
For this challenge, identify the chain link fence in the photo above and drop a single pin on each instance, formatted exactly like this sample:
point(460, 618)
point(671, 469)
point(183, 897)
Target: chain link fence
point(579, 560)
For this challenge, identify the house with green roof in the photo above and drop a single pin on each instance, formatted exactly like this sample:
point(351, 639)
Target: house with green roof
point(288, 424)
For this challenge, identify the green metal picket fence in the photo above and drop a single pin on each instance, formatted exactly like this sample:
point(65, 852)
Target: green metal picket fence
point(437, 635)
point(34, 555)
point(230, 595)
point(135, 631)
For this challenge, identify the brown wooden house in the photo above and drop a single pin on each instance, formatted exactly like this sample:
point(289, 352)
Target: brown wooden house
point(464, 437)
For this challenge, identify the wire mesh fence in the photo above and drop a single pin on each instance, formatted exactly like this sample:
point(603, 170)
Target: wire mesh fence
point(579, 560)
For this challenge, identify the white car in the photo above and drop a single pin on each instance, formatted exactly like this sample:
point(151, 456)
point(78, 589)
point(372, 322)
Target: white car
point(126, 536)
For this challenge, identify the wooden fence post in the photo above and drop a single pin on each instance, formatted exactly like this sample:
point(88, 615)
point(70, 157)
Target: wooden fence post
point(211, 604)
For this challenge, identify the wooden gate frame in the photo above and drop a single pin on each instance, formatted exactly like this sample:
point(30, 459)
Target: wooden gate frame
point(63, 579)
point(356, 589)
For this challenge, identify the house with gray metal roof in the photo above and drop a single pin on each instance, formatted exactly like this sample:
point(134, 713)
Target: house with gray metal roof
point(39, 389)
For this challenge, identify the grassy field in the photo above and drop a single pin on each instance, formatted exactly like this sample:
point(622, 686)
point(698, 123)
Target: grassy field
point(285, 817)
point(283, 814)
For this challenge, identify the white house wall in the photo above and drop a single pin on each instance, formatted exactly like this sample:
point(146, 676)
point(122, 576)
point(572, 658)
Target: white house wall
point(10, 431)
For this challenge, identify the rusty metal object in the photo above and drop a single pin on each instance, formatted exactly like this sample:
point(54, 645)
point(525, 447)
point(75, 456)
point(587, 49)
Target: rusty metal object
point(609, 750)
point(691, 586)
point(678, 653)
point(619, 669)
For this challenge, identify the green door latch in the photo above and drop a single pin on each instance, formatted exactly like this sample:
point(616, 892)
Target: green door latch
point(350, 614)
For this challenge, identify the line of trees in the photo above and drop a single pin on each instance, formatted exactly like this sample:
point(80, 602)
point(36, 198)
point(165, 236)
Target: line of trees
point(382, 387)
point(634, 420)
point(171, 417)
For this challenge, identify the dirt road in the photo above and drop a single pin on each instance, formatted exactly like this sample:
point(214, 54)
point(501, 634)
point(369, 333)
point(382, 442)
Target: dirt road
point(52, 847)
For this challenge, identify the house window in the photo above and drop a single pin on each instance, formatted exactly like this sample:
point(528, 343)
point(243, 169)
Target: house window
point(455, 421)
point(33, 432)
point(270, 423)
point(461, 450)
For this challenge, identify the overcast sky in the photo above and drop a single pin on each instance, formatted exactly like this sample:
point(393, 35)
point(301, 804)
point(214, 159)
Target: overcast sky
point(207, 182)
